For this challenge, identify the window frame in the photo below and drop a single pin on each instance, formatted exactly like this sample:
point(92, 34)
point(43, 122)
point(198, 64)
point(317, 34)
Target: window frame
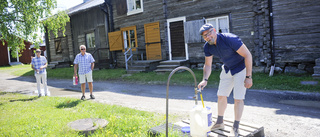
point(126, 30)
point(134, 11)
point(58, 47)
point(216, 20)
point(87, 41)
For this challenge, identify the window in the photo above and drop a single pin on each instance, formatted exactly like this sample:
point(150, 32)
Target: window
point(57, 44)
point(90, 40)
point(129, 37)
point(221, 24)
point(134, 6)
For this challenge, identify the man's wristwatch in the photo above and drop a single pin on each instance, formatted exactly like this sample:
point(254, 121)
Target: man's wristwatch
point(205, 79)
point(248, 77)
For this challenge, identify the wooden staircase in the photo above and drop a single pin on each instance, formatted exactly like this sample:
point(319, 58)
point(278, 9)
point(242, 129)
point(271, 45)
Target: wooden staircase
point(59, 64)
point(169, 65)
point(143, 66)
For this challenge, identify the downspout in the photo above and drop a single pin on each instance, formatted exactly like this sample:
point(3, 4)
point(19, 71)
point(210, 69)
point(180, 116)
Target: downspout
point(165, 16)
point(271, 38)
point(47, 44)
point(107, 9)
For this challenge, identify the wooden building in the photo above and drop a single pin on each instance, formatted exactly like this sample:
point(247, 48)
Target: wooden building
point(280, 33)
point(6, 57)
point(86, 27)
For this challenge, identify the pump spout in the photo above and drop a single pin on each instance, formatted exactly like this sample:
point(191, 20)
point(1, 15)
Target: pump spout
point(167, 97)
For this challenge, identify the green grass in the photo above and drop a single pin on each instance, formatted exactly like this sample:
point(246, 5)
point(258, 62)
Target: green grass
point(260, 80)
point(23, 115)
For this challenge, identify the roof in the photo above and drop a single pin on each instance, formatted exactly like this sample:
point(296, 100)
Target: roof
point(84, 6)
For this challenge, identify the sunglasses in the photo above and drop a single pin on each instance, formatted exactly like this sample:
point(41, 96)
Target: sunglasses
point(83, 49)
point(206, 35)
point(38, 51)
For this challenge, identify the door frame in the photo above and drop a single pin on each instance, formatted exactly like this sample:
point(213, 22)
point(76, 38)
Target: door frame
point(169, 37)
point(9, 55)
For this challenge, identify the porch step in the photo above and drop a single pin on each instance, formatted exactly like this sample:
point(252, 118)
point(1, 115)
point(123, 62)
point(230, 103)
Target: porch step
point(58, 64)
point(143, 66)
point(15, 63)
point(169, 65)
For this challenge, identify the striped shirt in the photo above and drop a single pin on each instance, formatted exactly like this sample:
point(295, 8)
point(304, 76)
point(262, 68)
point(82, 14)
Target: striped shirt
point(84, 63)
point(37, 62)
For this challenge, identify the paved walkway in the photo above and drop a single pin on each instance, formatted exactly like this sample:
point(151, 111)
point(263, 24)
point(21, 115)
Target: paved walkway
point(282, 113)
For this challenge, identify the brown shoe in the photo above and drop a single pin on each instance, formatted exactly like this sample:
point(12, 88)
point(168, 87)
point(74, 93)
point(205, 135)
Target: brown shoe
point(217, 126)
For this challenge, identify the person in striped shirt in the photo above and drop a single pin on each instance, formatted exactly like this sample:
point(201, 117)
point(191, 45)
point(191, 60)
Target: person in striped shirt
point(85, 62)
point(39, 65)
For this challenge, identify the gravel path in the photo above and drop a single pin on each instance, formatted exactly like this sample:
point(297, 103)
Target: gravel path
point(281, 113)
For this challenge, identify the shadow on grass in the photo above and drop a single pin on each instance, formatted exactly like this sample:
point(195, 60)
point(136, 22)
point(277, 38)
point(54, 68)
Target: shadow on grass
point(68, 104)
point(24, 99)
point(3, 93)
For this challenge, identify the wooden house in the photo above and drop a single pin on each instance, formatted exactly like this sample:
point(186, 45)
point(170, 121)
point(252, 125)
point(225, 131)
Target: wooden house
point(270, 28)
point(280, 33)
point(6, 57)
point(86, 27)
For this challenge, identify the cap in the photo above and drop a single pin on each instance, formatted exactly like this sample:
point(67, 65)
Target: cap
point(205, 27)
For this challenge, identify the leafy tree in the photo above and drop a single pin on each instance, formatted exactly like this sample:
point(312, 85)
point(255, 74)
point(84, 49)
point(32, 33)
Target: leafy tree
point(21, 20)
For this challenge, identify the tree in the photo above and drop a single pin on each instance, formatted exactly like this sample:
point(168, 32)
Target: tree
point(20, 20)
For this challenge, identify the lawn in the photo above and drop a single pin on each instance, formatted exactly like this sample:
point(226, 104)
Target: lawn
point(23, 115)
point(282, 81)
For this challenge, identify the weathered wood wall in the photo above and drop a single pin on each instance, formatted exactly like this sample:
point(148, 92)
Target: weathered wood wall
point(240, 16)
point(152, 12)
point(297, 31)
point(66, 46)
point(3, 54)
point(91, 20)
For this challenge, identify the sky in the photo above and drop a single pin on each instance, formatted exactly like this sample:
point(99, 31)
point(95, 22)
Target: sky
point(66, 4)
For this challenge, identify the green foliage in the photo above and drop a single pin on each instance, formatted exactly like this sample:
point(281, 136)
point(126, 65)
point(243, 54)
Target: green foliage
point(23, 115)
point(20, 21)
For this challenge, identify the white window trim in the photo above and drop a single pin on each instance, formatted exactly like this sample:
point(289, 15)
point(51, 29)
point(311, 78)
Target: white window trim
point(87, 42)
point(135, 11)
point(217, 23)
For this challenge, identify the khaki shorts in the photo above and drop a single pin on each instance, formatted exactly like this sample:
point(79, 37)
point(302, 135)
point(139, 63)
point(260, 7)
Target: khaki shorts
point(235, 82)
point(84, 77)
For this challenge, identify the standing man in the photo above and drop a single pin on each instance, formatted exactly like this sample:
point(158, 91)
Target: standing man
point(236, 71)
point(39, 65)
point(85, 61)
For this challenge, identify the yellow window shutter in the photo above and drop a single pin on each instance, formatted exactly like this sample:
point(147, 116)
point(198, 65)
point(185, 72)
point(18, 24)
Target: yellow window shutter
point(115, 41)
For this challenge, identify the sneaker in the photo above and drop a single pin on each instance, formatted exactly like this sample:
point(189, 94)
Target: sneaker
point(217, 126)
point(39, 95)
point(234, 132)
point(83, 97)
point(92, 97)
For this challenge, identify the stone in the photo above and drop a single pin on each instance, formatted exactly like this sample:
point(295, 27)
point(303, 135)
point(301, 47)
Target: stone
point(309, 82)
point(301, 66)
point(88, 125)
point(316, 76)
point(290, 69)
